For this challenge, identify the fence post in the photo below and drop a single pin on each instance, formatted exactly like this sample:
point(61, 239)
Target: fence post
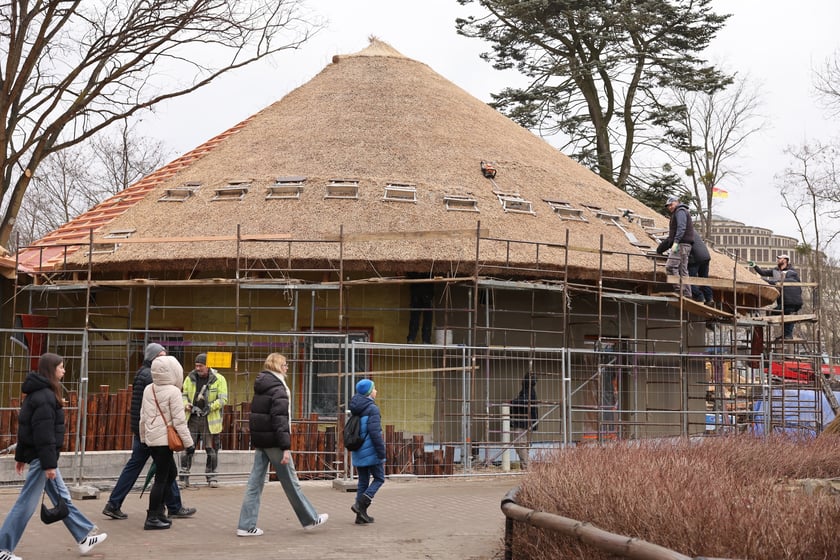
point(505, 438)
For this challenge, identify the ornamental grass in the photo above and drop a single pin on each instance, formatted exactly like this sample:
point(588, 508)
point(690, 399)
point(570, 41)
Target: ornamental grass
point(723, 497)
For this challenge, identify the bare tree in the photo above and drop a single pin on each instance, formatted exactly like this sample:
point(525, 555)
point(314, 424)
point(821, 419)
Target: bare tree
point(827, 83)
point(73, 68)
point(121, 159)
point(72, 180)
point(810, 188)
point(55, 195)
point(711, 130)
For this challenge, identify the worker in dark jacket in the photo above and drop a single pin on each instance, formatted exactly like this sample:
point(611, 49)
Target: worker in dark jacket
point(698, 267)
point(270, 428)
point(680, 238)
point(40, 439)
point(140, 452)
point(790, 300)
point(369, 459)
point(524, 415)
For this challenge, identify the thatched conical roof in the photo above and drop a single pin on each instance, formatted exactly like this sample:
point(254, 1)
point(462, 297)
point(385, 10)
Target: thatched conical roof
point(376, 118)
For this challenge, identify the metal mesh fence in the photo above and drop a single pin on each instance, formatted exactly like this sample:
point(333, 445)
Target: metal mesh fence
point(446, 409)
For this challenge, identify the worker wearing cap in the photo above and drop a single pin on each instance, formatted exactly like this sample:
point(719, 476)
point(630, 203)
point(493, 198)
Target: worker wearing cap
point(205, 394)
point(680, 238)
point(791, 297)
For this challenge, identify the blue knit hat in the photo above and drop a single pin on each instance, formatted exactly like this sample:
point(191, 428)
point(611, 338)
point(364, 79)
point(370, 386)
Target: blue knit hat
point(364, 387)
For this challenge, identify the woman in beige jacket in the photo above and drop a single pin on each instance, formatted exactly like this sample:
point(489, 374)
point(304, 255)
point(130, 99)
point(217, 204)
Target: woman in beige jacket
point(163, 394)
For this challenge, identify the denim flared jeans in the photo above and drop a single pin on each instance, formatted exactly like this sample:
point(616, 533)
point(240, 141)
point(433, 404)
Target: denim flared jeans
point(287, 475)
point(28, 501)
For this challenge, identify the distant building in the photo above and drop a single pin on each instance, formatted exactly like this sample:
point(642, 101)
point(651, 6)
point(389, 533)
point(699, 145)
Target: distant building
point(751, 243)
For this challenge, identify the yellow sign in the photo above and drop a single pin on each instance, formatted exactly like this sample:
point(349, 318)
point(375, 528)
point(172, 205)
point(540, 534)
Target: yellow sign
point(219, 359)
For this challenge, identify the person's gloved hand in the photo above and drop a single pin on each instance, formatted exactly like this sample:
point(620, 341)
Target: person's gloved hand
point(750, 264)
point(675, 248)
point(190, 450)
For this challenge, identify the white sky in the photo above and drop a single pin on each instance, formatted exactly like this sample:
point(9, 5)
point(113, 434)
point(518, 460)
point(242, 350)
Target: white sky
point(775, 42)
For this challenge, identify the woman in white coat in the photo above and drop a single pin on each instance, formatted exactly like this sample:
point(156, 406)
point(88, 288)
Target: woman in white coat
point(163, 396)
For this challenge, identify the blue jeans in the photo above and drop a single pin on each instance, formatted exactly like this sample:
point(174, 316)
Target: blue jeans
point(131, 471)
point(28, 501)
point(365, 486)
point(306, 514)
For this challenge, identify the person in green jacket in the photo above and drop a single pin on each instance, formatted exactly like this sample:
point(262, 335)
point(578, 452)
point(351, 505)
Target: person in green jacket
point(205, 394)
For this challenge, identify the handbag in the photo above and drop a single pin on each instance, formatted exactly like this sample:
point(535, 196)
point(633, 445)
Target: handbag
point(172, 437)
point(56, 513)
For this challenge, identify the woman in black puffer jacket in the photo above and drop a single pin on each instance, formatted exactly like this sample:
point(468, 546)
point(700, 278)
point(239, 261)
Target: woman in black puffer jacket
point(40, 438)
point(269, 422)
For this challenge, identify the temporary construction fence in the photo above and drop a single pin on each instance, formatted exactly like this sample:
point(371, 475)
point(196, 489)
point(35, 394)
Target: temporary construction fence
point(446, 409)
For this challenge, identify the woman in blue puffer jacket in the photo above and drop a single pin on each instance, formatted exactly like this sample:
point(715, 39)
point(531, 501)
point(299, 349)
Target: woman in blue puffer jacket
point(369, 459)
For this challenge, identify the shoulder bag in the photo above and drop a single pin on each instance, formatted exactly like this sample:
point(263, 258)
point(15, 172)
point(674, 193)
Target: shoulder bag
point(175, 443)
point(57, 513)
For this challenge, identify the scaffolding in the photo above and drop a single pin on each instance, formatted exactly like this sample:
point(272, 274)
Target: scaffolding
point(616, 353)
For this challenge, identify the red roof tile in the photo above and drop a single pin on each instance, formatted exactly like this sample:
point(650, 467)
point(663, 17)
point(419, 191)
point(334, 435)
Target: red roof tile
point(69, 238)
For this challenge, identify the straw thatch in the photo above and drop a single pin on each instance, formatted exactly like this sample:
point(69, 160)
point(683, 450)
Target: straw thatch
point(378, 117)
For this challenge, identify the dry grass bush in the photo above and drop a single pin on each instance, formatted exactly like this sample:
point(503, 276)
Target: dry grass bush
point(724, 497)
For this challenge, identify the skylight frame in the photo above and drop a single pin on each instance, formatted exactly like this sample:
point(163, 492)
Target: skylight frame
point(342, 189)
point(285, 188)
point(400, 192)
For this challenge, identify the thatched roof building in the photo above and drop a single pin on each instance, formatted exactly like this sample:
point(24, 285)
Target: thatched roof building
point(377, 144)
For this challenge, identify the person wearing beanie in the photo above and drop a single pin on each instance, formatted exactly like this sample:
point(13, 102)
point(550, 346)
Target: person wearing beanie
point(140, 451)
point(680, 239)
point(162, 407)
point(269, 421)
point(205, 396)
point(153, 350)
point(369, 459)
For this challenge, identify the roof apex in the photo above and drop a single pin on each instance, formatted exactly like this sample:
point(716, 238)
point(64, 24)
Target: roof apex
point(376, 47)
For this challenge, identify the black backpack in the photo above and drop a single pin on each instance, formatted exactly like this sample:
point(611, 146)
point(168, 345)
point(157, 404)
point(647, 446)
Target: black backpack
point(353, 439)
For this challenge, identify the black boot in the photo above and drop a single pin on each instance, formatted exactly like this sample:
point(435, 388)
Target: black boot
point(360, 509)
point(155, 521)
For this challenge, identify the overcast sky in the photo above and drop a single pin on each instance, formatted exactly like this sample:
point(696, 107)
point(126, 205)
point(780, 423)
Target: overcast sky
point(776, 43)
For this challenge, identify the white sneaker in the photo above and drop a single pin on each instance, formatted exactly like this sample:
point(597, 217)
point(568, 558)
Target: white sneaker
point(321, 520)
point(91, 541)
point(6, 555)
point(255, 532)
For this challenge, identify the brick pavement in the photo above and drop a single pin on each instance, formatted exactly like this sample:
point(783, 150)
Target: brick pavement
point(443, 519)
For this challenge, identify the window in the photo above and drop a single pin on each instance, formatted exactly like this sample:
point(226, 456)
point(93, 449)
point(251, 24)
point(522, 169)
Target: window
point(108, 248)
point(119, 234)
point(235, 190)
point(342, 188)
point(606, 216)
point(565, 210)
point(512, 202)
point(180, 193)
point(285, 187)
point(399, 192)
point(321, 382)
point(461, 203)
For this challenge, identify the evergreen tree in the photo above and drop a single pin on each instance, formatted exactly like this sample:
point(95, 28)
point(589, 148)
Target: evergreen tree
point(598, 69)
